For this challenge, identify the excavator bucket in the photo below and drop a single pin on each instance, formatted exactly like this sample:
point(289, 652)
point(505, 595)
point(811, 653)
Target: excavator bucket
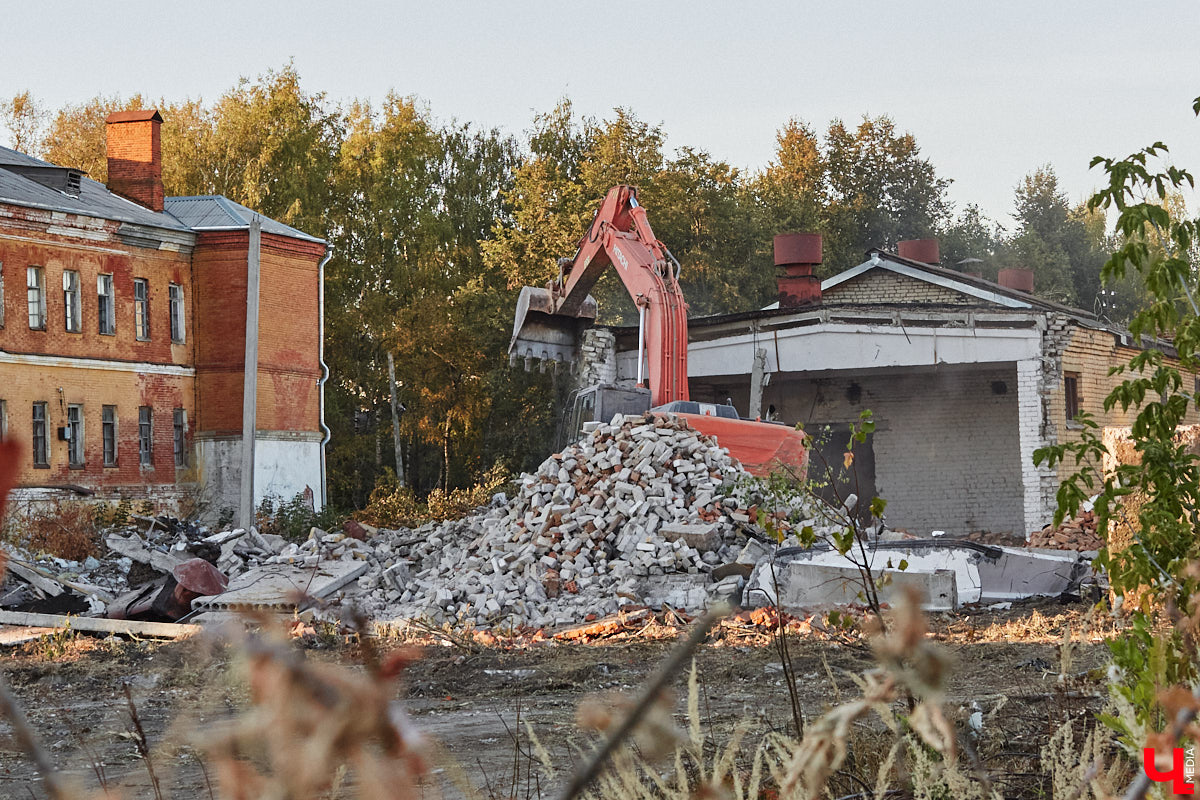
point(540, 333)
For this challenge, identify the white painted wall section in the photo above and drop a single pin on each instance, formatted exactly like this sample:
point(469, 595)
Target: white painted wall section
point(841, 346)
point(283, 469)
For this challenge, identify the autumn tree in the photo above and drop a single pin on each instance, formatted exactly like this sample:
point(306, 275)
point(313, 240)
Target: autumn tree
point(25, 119)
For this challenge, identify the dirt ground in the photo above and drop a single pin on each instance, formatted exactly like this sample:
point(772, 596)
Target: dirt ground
point(473, 702)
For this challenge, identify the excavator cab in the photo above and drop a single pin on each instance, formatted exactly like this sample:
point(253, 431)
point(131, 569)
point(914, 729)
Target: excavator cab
point(541, 333)
point(599, 403)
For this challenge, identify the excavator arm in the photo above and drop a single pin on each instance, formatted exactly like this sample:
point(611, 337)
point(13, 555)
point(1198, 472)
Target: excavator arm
point(549, 321)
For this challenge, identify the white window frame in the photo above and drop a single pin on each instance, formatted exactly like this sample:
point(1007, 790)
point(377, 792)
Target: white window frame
point(178, 334)
point(3, 420)
point(75, 451)
point(106, 305)
point(72, 303)
point(1, 294)
point(141, 309)
point(35, 293)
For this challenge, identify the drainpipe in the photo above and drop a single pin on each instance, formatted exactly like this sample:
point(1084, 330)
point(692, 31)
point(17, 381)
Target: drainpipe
point(326, 434)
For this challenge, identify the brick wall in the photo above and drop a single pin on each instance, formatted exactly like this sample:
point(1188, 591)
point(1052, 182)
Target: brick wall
point(219, 261)
point(881, 285)
point(62, 368)
point(946, 447)
point(598, 357)
point(56, 254)
point(23, 385)
point(289, 336)
point(1090, 354)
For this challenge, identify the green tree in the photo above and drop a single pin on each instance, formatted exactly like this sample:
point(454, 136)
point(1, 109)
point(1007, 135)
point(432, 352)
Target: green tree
point(1157, 502)
point(880, 191)
point(1064, 246)
point(970, 242)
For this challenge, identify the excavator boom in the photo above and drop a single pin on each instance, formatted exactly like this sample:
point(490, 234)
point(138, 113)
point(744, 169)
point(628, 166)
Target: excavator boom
point(550, 322)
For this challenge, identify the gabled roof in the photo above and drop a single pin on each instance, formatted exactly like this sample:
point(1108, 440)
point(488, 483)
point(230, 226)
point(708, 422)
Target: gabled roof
point(214, 212)
point(980, 288)
point(94, 198)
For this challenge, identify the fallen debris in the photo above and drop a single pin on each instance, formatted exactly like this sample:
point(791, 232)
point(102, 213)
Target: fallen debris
point(637, 513)
point(1075, 534)
point(161, 630)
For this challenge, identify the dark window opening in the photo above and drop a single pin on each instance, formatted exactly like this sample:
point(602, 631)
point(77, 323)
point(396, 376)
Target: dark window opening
point(146, 436)
point(180, 422)
point(41, 441)
point(105, 304)
point(75, 435)
point(1071, 392)
point(108, 426)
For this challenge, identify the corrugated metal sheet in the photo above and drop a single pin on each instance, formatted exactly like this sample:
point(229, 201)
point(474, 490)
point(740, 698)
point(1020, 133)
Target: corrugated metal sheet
point(214, 212)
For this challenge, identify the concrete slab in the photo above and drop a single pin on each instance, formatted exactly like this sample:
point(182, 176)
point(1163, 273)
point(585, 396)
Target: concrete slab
point(982, 574)
point(282, 586)
point(1029, 572)
point(806, 586)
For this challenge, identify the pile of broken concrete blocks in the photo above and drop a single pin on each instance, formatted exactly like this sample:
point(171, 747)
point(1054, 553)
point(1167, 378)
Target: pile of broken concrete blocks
point(639, 512)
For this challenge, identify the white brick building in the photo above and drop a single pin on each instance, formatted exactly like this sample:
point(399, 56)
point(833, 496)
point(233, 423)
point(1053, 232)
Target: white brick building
point(965, 379)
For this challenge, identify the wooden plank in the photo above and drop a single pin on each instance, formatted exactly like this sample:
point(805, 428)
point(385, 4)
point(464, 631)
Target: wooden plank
point(30, 575)
point(161, 630)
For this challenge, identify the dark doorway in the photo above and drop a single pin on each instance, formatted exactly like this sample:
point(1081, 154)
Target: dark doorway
point(832, 479)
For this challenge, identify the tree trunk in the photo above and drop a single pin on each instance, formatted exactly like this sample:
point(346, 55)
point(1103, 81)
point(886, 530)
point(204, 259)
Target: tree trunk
point(446, 456)
point(395, 419)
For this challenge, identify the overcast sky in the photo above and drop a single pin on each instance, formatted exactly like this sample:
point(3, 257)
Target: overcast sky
point(991, 90)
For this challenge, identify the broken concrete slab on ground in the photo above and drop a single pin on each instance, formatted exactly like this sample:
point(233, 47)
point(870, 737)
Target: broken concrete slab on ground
point(947, 573)
point(282, 587)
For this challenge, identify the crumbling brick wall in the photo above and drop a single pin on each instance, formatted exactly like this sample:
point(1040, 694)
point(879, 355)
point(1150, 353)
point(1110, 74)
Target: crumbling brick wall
point(598, 357)
point(1090, 353)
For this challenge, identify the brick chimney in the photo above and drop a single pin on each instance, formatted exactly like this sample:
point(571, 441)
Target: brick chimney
point(1016, 278)
point(135, 157)
point(923, 250)
point(798, 253)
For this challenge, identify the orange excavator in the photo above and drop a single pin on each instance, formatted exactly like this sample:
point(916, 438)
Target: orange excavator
point(550, 322)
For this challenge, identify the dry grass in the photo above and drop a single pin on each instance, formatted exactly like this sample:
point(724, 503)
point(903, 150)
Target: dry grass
point(66, 531)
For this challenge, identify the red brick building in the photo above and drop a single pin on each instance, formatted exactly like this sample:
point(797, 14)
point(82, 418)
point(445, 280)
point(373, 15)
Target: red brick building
point(123, 335)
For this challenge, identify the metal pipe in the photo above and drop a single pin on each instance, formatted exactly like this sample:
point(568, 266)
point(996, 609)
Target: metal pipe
point(326, 433)
point(641, 340)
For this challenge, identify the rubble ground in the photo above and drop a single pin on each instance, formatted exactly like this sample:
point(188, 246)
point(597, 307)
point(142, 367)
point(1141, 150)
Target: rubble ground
point(469, 700)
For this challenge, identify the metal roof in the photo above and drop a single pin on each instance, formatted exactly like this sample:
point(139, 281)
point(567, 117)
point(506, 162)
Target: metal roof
point(214, 212)
point(205, 212)
point(20, 159)
point(94, 199)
